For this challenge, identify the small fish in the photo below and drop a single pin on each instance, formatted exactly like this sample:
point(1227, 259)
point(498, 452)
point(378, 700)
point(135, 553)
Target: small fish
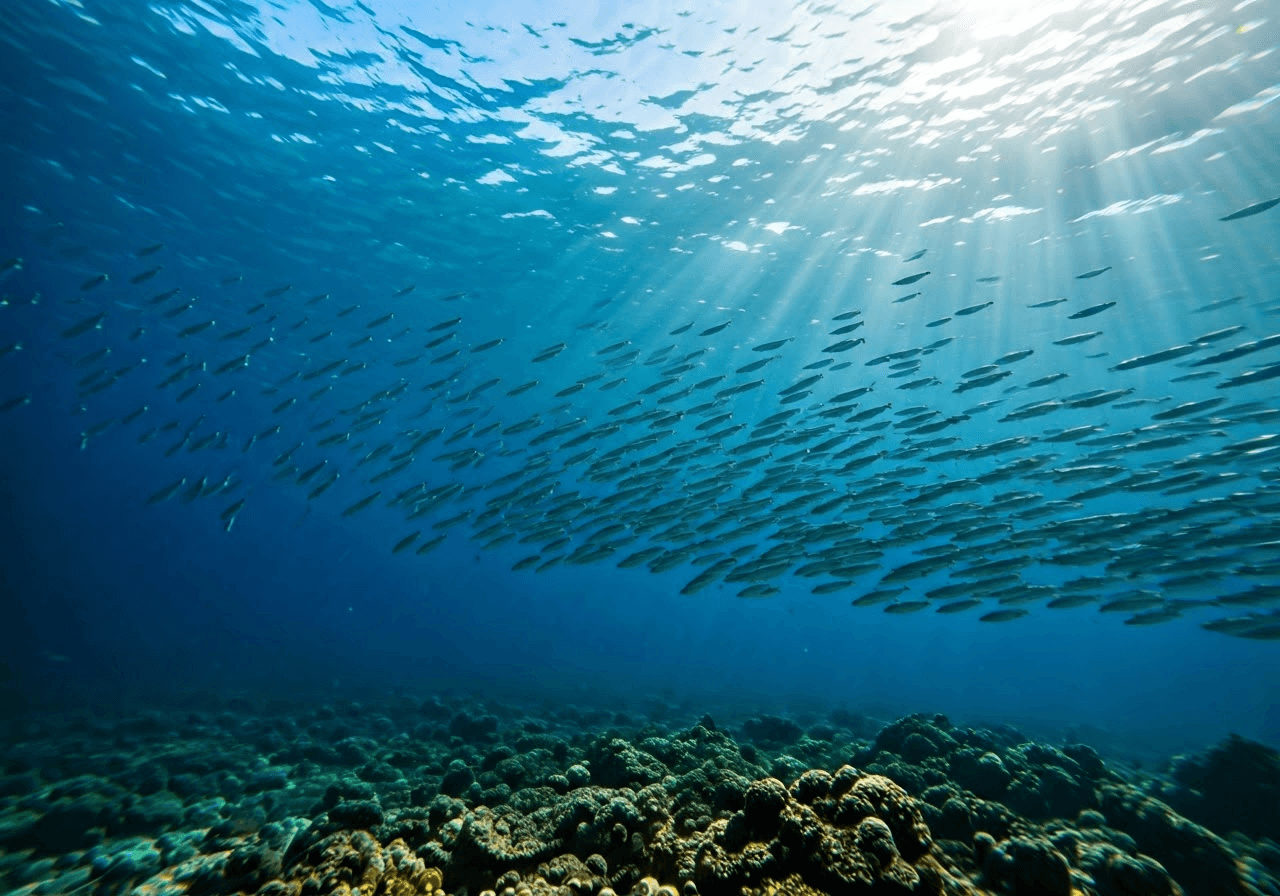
point(1088, 275)
point(1015, 356)
point(844, 345)
point(959, 606)
point(428, 546)
point(1167, 354)
point(1004, 615)
point(96, 280)
point(988, 279)
point(914, 278)
point(167, 492)
point(89, 323)
point(195, 328)
point(1091, 310)
point(770, 346)
point(1245, 348)
point(1077, 338)
point(1071, 601)
point(1218, 334)
point(323, 486)
point(906, 298)
point(548, 353)
point(277, 291)
point(902, 608)
point(1249, 377)
point(1154, 617)
point(1216, 304)
point(412, 536)
point(361, 504)
point(847, 315)
point(711, 331)
point(1187, 408)
point(939, 322)
point(1046, 380)
point(1048, 303)
point(1251, 210)
point(679, 330)
point(17, 401)
point(916, 257)
point(148, 250)
point(973, 309)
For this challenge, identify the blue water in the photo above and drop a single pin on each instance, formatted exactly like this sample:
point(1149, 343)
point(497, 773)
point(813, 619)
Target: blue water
point(594, 177)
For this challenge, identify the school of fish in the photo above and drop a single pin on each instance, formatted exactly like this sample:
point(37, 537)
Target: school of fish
point(741, 459)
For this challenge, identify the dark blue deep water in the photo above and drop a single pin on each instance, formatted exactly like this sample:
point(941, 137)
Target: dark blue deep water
point(323, 189)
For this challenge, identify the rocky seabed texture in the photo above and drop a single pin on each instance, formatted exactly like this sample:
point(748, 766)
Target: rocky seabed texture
point(435, 798)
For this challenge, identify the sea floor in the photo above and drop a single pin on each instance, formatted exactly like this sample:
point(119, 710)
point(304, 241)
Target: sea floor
point(469, 797)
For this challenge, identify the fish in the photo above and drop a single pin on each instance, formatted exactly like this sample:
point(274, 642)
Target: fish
point(711, 331)
point(1250, 210)
point(1215, 335)
point(1048, 303)
point(916, 256)
point(770, 346)
point(1077, 338)
point(92, 322)
point(323, 487)
point(973, 309)
point(144, 276)
point(167, 492)
point(94, 282)
point(1187, 408)
point(1091, 310)
point(409, 539)
point(1088, 275)
point(1217, 304)
point(1244, 348)
point(1007, 615)
point(195, 328)
point(548, 353)
point(913, 278)
point(993, 279)
point(1250, 377)
point(959, 606)
point(902, 608)
point(361, 504)
point(229, 514)
point(1168, 354)
point(1070, 601)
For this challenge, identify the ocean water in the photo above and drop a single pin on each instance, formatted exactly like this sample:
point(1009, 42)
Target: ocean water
point(926, 333)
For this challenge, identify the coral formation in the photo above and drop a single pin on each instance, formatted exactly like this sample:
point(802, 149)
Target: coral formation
point(443, 798)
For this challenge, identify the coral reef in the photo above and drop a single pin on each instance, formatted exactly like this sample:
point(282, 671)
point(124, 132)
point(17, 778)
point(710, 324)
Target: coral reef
point(451, 797)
